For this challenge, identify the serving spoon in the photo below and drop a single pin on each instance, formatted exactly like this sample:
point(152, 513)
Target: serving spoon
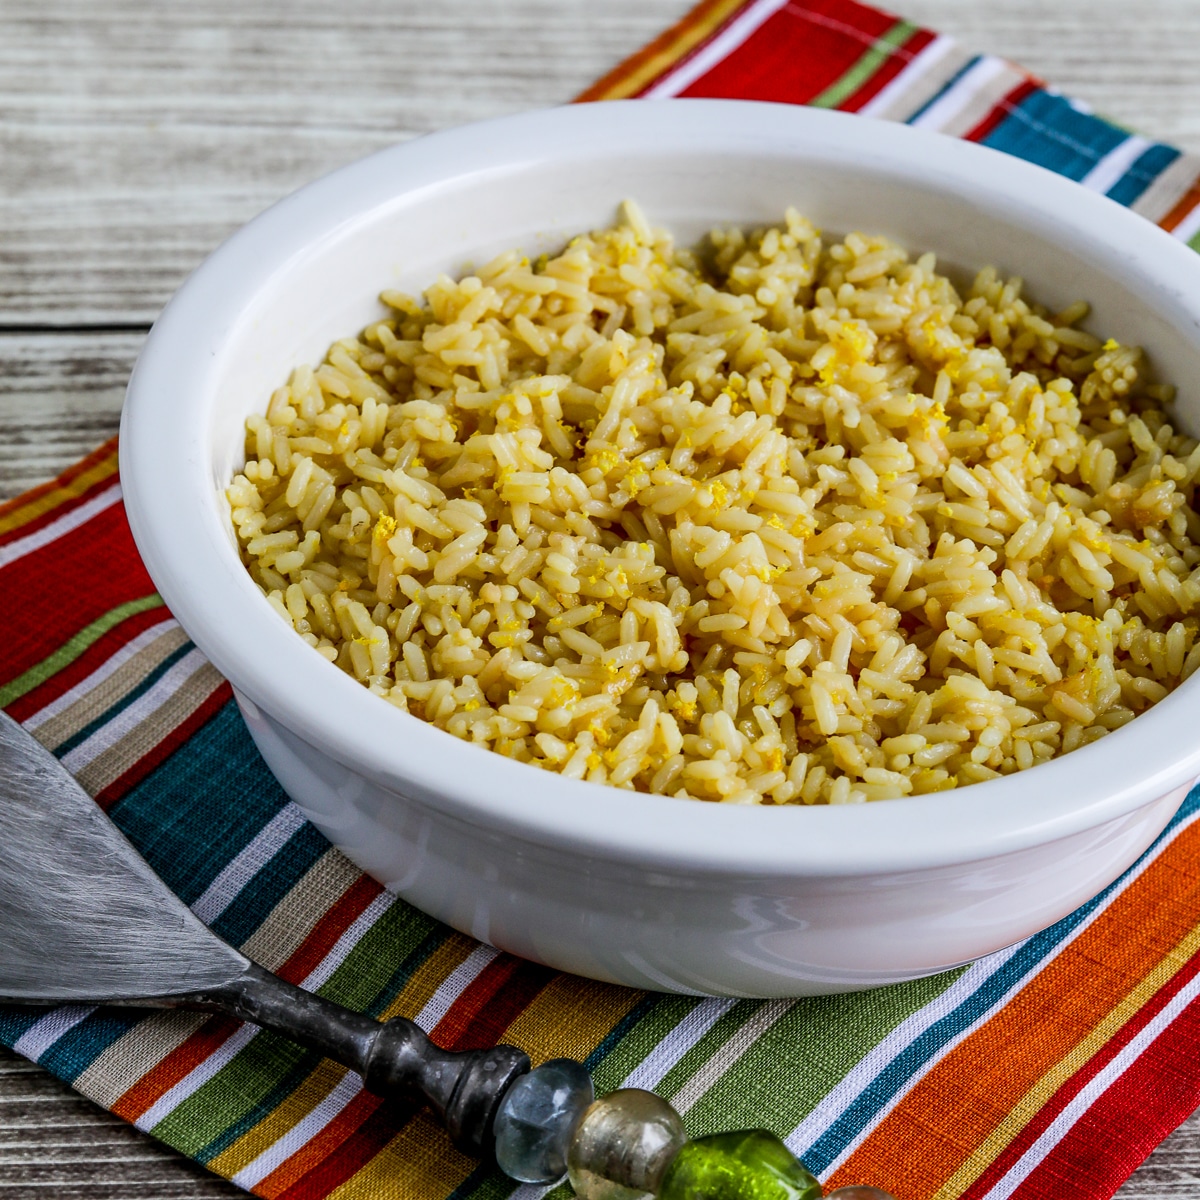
point(84, 919)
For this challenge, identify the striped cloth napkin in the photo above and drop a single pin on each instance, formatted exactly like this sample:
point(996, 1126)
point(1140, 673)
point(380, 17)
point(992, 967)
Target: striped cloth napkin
point(1048, 1070)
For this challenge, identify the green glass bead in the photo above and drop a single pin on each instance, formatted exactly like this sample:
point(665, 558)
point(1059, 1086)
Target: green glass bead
point(751, 1164)
point(623, 1144)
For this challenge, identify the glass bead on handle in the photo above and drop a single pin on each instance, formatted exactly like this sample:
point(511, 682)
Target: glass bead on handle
point(537, 1118)
point(750, 1164)
point(631, 1145)
point(623, 1145)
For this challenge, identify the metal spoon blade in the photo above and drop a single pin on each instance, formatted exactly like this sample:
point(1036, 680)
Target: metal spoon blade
point(82, 915)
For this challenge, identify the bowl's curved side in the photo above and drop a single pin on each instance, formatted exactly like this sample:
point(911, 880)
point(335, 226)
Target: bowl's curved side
point(306, 272)
point(735, 934)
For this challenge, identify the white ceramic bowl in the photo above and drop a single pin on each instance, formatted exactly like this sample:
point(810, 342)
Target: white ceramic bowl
point(643, 890)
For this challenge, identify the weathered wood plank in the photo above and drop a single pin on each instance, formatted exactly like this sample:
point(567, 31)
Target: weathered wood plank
point(1172, 1172)
point(134, 137)
point(60, 397)
point(53, 1142)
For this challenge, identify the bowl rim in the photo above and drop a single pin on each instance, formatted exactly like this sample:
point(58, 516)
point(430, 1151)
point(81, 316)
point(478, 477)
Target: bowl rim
point(167, 480)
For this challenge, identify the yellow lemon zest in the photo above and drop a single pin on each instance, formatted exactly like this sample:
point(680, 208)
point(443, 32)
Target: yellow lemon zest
point(637, 480)
point(766, 573)
point(851, 345)
point(604, 460)
point(599, 732)
point(932, 419)
point(562, 692)
point(626, 252)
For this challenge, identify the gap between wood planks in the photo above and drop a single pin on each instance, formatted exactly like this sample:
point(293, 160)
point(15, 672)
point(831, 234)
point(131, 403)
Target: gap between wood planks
point(34, 328)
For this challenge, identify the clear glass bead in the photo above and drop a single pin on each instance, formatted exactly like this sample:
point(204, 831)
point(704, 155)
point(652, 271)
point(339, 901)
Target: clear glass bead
point(623, 1146)
point(750, 1164)
point(859, 1191)
point(534, 1125)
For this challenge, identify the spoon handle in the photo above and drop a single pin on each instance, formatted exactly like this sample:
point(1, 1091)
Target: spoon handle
point(395, 1058)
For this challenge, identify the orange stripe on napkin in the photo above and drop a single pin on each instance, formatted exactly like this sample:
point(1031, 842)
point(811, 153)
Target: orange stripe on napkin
point(100, 465)
point(1182, 207)
point(319, 1150)
point(160, 1079)
point(967, 1095)
point(665, 52)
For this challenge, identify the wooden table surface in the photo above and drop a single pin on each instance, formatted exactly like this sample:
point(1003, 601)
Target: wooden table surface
point(134, 136)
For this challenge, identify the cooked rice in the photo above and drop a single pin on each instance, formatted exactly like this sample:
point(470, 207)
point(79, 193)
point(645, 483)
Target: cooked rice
point(764, 522)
